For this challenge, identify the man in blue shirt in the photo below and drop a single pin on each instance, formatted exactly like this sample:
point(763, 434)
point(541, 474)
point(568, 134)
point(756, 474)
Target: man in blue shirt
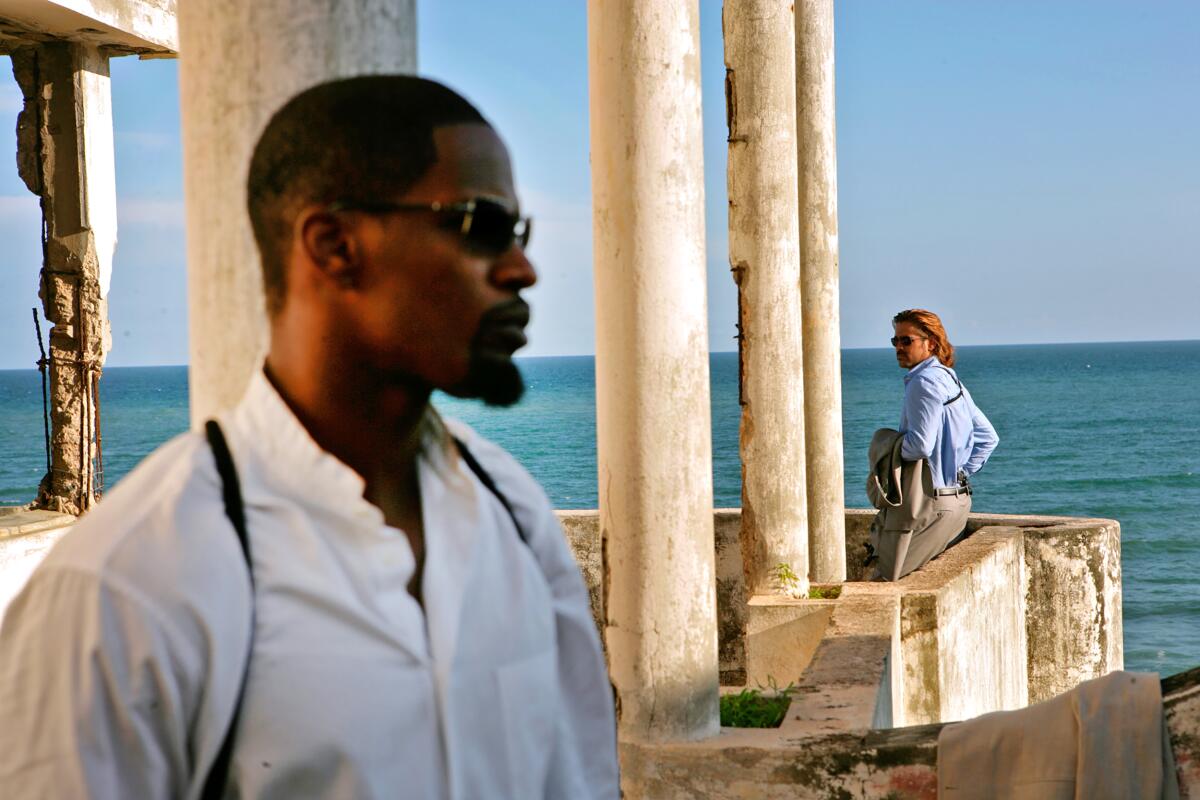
point(940, 424)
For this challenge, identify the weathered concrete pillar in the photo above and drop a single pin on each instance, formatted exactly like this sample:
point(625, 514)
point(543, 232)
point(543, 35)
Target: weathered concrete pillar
point(764, 254)
point(65, 156)
point(819, 290)
point(652, 394)
point(240, 61)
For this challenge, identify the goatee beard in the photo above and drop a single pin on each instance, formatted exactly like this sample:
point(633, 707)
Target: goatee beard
point(494, 379)
point(492, 376)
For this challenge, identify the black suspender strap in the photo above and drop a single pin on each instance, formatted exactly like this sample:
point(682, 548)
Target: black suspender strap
point(231, 492)
point(960, 389)
point(486, 480)
point(218, 774)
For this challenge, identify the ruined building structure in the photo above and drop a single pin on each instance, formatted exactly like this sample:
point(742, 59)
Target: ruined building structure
point(60, 54)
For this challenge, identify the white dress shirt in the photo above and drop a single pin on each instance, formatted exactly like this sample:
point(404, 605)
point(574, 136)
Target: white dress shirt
point(120, 661)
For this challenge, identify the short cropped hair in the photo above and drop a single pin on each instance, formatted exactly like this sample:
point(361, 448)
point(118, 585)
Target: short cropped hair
point(364, 138)
point(929, 323)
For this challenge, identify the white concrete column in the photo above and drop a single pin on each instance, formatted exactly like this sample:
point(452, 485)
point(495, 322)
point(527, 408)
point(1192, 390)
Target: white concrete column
point(817, 135)
point(240, 61)
point(65, 156)
point(764, 254)
point(652, 392)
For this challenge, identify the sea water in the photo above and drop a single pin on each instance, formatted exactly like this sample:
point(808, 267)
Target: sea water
point(1097, 430)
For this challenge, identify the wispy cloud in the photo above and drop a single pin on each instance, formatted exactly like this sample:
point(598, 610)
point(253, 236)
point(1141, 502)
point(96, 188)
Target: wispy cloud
point(147, 140)
point(134, 212)
point(159, 213)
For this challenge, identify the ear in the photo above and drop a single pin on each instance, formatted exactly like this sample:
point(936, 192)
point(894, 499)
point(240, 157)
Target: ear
point(329, 245)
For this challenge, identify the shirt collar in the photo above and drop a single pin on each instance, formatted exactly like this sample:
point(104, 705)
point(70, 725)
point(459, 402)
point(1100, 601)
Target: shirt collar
point(924, 365)
point(293, 460)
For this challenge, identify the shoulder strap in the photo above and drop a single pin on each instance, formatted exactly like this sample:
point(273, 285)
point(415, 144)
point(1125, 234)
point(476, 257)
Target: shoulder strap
point(957, 381)
point(235, 509)
point(218, 774)
point(487, 481)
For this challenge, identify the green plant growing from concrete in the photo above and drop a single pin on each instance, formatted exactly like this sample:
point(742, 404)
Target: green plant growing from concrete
point(789, 583)
point(824, 592)
point(787, 580)
point(751, 708)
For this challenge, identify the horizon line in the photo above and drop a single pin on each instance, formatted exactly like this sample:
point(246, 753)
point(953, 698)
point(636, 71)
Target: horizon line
point(720, 352)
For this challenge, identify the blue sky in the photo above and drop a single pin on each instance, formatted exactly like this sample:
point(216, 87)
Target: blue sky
point(1027, 169)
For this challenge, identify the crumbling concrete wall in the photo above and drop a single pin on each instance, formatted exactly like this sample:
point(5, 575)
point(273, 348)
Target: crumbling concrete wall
point(898, 764)
point(962, 630)
point(65, 156)
point(883, 765)
point(1073, 596)
point(1025, 608)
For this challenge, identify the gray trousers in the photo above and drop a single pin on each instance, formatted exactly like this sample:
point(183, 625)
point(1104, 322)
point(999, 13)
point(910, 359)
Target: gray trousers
point(901, 553)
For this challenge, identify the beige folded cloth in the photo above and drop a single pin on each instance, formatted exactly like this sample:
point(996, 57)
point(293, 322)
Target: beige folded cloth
point(1107, 738)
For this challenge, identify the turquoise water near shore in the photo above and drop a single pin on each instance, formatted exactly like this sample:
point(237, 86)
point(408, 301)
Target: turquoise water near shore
point(1107, 430)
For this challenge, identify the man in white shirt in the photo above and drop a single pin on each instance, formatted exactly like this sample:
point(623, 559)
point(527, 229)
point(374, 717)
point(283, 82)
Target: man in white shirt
point(412, 623)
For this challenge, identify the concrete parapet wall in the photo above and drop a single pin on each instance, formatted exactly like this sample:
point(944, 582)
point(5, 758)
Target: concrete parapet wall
point(1073, 597)
point(761, 764)
point(1181, 705)
point(731, 596)
point(25, 539)
point(898, 764)
point(583, 535)
point(1027, 607)
point(962, 632)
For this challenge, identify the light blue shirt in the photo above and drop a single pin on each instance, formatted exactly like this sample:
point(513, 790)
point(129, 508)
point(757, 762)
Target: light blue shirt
point(952, 437)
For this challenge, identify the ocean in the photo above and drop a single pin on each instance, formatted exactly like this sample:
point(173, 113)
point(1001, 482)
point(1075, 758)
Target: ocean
point(1098, 430)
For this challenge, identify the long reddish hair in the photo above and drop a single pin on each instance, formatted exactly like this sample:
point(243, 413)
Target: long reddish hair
point(931, 326)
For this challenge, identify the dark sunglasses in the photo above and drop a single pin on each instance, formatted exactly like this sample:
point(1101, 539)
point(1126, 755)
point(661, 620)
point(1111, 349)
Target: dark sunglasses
point(905, 340)
point(486, 226)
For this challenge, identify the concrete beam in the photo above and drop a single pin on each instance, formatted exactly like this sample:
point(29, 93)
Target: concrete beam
point(65, 156)
point(652, 393)
point(764, 254)
point(145, 27)
point(240, 62)
point(817, 135)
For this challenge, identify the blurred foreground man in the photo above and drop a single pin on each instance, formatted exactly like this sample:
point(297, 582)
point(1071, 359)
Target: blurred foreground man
point(920, 474)
point(389, 608)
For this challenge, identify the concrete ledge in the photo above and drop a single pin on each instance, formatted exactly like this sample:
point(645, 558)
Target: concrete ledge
point(850, 682)
point(25, 538)
point(897, 764)
point(894, 764)
point(20, 521)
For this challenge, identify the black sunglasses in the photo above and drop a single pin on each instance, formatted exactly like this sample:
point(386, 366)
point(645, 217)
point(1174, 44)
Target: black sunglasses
point(905, 340)
point(486, 226)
